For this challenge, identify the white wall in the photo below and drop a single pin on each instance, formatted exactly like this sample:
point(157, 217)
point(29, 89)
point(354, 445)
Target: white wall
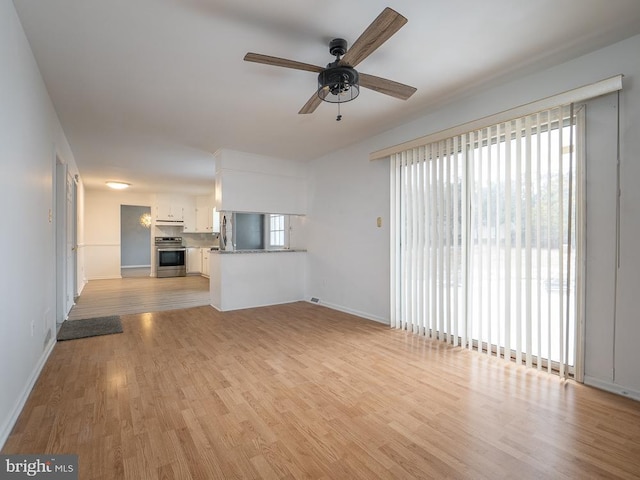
point(247, 182)
point(600, 301)
point(102, 230)
point(349, 256)
point(30, 137)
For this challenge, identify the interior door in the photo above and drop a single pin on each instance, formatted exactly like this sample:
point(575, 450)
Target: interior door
point(60, 240)
point(70, 242)
point(65, 240)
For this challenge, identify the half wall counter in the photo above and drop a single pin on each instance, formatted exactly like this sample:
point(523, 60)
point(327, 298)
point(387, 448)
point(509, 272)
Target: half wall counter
point(255, 278)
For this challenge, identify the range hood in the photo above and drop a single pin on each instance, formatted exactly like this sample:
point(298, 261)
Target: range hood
point(169, 223)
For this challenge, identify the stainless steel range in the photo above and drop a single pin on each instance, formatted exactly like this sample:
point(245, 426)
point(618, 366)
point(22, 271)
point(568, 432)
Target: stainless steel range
point(170, 257)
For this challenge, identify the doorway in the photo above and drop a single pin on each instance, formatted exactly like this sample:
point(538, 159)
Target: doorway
point(135, 241)
point(65, 201)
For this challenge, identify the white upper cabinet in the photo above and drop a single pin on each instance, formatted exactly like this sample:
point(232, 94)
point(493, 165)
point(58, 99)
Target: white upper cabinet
point(204, 214)
point(215, 226)
point(189, 216)
point(170, 208)
point(195, 213)
point(169, 212)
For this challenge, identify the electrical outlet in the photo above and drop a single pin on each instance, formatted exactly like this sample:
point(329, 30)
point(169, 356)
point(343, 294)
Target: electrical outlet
point(379, 222)
point(50, 216)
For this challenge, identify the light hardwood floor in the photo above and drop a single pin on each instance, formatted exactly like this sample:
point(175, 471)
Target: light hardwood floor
point(140, 295)
point(300, 391)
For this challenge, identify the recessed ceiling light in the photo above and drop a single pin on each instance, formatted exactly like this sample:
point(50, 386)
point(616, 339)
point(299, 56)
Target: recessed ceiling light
point(118, 185)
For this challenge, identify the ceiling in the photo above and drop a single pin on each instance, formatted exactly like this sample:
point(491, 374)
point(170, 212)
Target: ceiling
point(148, 90)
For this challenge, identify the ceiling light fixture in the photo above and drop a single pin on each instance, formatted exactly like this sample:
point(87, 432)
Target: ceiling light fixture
point(117, 185)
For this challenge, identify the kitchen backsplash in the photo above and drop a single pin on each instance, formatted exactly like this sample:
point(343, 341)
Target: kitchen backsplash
point(188, 239)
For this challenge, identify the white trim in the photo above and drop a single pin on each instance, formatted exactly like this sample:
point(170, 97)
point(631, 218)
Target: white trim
point(611, 387)
point(351, 311)
point(579, 94)
point(581, 234)
point(24, 396)
point(259, 305)
point(81, 286)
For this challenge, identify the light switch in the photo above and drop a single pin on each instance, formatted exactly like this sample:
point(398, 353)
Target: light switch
point(379, 222)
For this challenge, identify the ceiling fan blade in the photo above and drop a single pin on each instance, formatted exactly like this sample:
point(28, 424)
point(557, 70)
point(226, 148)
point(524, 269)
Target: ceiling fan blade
point(281, 62)
point(380, 30)
point(311, 104)
point(386, 86)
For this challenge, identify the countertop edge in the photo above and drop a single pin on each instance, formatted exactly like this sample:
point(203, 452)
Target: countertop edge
point(282, 250)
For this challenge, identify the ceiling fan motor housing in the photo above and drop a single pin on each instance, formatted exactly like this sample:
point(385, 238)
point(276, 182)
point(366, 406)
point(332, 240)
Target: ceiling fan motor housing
point(338, 47)
point(338, 84)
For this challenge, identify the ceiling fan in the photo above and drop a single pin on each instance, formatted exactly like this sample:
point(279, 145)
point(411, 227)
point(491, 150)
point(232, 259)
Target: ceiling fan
point(339, 82)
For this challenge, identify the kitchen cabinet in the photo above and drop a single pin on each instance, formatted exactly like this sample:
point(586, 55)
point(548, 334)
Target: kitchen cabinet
point(204, 214)
point(203, 222)
point(179, 208)
point(205, 261)
point(215, 217)
point(194, 260)
point(189, 217)
point(169, 211)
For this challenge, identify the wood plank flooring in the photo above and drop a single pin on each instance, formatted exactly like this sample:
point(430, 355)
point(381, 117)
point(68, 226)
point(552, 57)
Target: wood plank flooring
point(299, 391)
point(140, 295)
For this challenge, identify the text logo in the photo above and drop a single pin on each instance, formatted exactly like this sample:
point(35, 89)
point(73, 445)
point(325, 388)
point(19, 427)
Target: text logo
point(40, 467)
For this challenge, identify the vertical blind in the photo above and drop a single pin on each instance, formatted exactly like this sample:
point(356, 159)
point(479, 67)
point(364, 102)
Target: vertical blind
point(484, 239)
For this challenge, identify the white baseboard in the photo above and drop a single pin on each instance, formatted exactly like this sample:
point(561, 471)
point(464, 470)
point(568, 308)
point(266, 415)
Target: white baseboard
point(351, 311)
point(611, 387)
point(24, 396)
point(258, 305)
point(81, 286)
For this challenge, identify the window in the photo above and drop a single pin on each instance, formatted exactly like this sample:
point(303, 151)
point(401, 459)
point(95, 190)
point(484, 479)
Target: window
point(277, 230)
point(484, 239)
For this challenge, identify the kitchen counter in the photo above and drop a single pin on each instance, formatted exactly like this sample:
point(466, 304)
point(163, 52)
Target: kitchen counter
point(248, 278)
point(262, 250)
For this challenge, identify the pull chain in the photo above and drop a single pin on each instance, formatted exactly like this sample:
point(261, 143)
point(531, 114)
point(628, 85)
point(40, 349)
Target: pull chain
point(339, 117)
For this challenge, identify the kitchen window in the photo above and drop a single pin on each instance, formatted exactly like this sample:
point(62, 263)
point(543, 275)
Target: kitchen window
point(277, 230)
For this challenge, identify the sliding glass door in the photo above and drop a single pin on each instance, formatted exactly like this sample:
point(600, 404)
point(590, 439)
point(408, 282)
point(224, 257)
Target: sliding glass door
point(484, 239)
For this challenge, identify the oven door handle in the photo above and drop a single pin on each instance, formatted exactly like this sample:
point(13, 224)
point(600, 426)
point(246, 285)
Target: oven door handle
point(172, 249)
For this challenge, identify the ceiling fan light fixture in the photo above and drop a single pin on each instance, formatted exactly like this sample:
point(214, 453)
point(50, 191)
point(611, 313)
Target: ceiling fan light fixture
point(338, 84)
